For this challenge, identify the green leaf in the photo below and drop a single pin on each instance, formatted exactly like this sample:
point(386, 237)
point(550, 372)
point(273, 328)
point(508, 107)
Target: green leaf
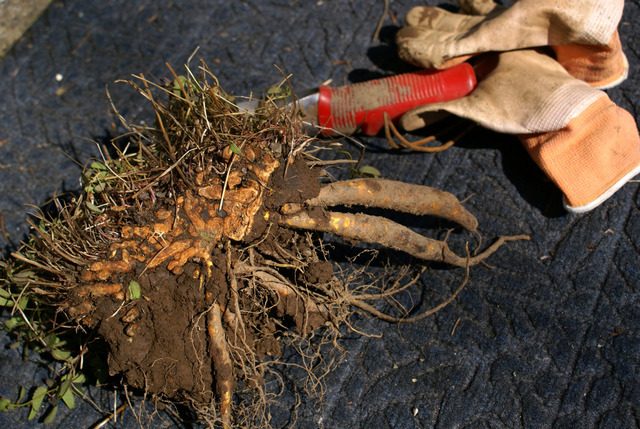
point(22, 274)
point(98, 166)
point(93, 207)
point(80, 378)
point(52, 339)
point(23, 392)
point(24, 301)
point(235, 149)
point(368, 170)
point(59, 354)
point(100, 187)
point(134, 290)
point(279, 91)
point(32, 414)
point(51, 414)
point(13, 323)
point(176, 84)
point(69, 398)
point(4, 302)
point(4, 402)
point(36, 401)
point(65, 384)
point(5, 293)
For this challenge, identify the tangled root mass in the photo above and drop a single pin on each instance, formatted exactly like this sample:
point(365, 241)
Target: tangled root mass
point(194, 254)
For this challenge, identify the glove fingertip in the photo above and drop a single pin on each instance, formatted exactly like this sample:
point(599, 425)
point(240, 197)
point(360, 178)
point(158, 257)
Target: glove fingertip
point(422, 117)
point(416, 15)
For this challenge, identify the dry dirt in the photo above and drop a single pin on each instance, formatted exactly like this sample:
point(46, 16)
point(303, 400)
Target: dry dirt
point(159, 343)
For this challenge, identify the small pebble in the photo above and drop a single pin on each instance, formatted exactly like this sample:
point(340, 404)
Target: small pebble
point(131, 330)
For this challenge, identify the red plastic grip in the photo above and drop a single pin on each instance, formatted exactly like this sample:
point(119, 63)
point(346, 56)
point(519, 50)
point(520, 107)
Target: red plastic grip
point(361, 106)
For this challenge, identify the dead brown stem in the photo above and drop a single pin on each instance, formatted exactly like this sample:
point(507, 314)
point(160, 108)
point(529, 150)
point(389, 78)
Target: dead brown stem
point(393, 195)
point(157, 109)
point(382, 231)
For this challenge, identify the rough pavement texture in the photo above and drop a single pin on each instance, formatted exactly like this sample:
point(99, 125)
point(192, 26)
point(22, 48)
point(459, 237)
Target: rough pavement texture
point(548, 337)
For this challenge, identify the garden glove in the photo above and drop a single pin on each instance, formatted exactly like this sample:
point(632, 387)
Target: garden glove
point(587, 146)
point(582, 32)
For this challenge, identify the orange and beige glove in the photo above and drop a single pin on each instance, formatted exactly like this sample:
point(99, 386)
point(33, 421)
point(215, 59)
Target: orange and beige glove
point(583, 34)
point(587, 146)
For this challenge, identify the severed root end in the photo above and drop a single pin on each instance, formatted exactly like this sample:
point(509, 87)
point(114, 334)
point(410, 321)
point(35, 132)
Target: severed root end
point(461, 262)
point(382, 231)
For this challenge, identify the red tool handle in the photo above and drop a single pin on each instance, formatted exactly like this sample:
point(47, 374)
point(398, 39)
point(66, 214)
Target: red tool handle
point(361, 106)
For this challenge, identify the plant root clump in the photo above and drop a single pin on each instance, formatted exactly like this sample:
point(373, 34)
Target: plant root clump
point(193, 255)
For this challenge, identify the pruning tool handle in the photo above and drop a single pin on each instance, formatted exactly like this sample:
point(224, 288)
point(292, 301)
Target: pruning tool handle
point(361, 106)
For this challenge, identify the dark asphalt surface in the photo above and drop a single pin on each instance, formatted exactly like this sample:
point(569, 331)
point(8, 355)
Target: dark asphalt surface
point(548, 336)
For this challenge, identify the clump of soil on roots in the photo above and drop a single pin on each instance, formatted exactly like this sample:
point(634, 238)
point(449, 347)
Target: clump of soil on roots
point(194, 254)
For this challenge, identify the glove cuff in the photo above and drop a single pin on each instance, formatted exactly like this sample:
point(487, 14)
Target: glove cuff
point(592, 157)
point(602, 22)
point(566, 103)
point(600, 66)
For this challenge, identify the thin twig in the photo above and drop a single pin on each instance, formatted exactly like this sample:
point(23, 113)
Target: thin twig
point(385, 12)
point(418, 146)
point(4, 232)
point(106, 420)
